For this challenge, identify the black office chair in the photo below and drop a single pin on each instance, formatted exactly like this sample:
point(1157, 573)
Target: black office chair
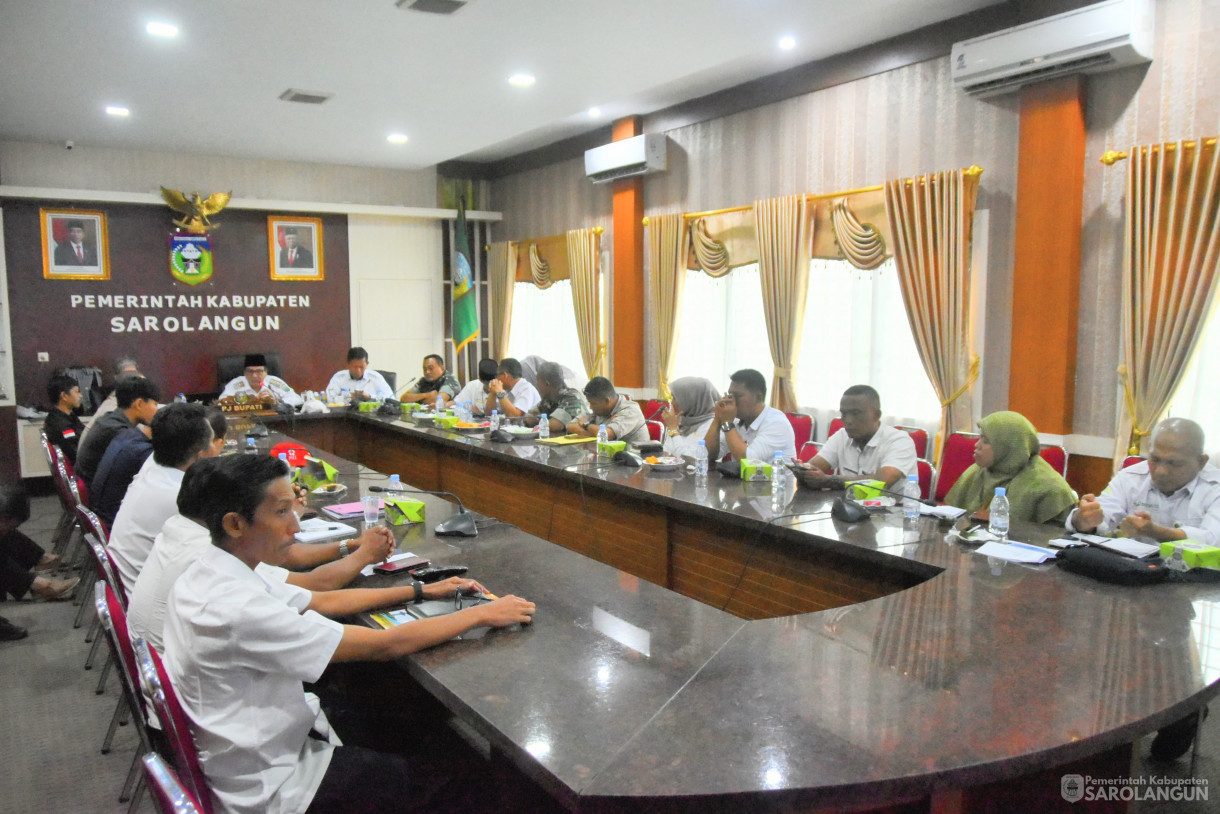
point(229, 368)
point(391, 378)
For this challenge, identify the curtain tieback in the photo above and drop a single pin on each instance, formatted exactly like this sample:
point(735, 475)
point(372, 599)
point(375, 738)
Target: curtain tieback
point(971, 378)
point(783, 372)
point(1137, 432)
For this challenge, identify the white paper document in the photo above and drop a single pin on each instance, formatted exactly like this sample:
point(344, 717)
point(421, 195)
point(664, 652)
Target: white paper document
point(1016, 552)
point(946, 512)
point(315, 530)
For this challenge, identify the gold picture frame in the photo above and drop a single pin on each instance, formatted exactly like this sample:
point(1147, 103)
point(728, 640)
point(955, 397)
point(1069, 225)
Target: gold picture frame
point(87, 257)
point(302, 261)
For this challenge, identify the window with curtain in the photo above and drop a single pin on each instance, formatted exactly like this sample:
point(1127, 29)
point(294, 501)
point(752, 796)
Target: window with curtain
point(856, 332)
point(544, 323)
point(1199, 393)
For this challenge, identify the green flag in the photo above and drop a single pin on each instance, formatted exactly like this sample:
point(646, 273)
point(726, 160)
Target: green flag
point(465, 317)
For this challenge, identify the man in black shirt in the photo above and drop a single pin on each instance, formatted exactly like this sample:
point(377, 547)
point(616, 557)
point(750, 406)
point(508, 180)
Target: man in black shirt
point(62, 426)
point(137, 400)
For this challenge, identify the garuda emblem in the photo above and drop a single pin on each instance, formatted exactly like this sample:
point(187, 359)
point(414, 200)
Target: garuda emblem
point(196, 210)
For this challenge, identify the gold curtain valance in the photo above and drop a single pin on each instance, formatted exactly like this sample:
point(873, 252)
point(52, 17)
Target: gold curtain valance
point(544, 260)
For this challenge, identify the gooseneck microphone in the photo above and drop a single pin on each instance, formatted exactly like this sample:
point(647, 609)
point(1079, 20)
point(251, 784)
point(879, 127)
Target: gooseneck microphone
point(460, 525)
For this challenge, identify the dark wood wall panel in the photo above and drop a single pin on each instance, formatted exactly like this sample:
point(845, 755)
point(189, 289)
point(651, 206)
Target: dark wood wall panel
point(627, 534)
point(417, 464)
point(506, 493)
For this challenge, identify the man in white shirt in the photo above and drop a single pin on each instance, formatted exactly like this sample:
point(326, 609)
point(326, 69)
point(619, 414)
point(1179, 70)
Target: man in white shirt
point(360, 379)
point(745, 427)
point(476, 390)
point(865, 449)
point(1174, 495)
point(184, 538)
point(509, 393)
point(238, 648)
point(255, 381)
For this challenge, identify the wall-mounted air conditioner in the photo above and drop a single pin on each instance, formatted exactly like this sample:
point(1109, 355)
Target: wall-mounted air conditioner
point(1096, 38)
point(620, 159)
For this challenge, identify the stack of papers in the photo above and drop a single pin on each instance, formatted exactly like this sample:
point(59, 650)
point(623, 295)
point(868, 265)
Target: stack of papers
point(944, 512)
point(315, 530)
point(1016, 552)
point(344, 511)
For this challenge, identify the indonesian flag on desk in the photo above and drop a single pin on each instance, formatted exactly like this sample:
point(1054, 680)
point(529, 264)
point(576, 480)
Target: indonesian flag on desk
point(465, 316)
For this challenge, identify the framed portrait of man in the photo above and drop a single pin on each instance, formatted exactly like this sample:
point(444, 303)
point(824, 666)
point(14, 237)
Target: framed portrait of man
point(74, 245)
point(295, 248)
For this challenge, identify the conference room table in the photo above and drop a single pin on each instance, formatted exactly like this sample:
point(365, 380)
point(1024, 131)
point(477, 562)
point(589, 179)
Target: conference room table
point(719, 648)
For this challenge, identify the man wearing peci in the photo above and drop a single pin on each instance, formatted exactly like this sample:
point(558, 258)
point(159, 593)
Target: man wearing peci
point(744, 426)
point(256, 381)
point(360, 379)
point(293, 255)
point(477, 389)
point(75, 251)
point(865, 449)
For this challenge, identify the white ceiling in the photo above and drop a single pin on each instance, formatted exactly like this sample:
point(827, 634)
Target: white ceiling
point(441, 80)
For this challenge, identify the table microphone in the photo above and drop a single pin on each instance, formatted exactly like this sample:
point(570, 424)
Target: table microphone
point(460, 525)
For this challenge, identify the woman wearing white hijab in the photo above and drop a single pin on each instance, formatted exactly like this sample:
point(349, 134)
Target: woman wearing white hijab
point(690, 417)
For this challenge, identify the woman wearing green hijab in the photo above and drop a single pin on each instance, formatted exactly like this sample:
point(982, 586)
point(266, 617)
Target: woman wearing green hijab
point(1006, 454)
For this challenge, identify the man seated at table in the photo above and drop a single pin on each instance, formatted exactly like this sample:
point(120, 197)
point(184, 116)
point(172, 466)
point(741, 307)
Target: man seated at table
point(184, 538)
point(238, 648)
point(1174, 495)
point(62, 425)
point(561, 404)
point(864, 449)
point(623, 418)
point(476, 390)
point(255, 381)
point(137, 398)
point(124, 368)
point(361, 380)
point(509, 393)
point(745, 427)
point(123, 460)
point(435, 383)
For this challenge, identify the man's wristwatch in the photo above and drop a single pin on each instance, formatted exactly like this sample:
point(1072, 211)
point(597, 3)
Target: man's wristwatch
point(500, 396)
point(419, 592)
point(726, 426)
point(343, 549)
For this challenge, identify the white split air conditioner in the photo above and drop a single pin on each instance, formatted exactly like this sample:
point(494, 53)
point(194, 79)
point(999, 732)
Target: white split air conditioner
point(620, 159)
point(1093, 39)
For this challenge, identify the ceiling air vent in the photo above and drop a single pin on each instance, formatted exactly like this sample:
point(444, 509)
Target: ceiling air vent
point(432, 6)
point(305, 97)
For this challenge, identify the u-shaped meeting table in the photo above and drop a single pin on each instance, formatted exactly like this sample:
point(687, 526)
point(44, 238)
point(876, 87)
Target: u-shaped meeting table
point(708, 649)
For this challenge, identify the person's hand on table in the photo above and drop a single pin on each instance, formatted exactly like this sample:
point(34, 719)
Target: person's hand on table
point(449, 587)
point(577, 427)
point(508, 610)
point(1089, 514)
point(815, 478)
point(361, 396)
point(374, 546)
point(530, 420)
point(726, 410)
point(1141, 524)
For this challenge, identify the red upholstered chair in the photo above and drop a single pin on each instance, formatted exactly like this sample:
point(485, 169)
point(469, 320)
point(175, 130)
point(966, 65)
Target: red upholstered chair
point(168, 794)
point(1057, 457)
point(104, 573)
point(174, 723)
point(653, 409)
point(802, 427)
point(919, 436)
point(808, 451)
point(61, 476)
point(1131, 460)
point(836, 424)
point(114, 622)
point(656, 430)
point(927, 477)
point(955, 459)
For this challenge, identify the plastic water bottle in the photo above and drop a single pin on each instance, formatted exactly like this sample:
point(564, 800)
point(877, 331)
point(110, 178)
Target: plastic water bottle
point(346, 396)
point(544, 426)
point(395, 484)
point(777, 472)
point(701, 460)
point(180, 398)
point(440, 402)
point(495, 421)
point(251, 446)
point(998, 512)
point(602, 437)
point(910, 500)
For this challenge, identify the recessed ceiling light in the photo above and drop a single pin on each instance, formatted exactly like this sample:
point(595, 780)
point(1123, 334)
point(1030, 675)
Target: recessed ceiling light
point(595, 112)
point(521, 80)
point(162, 29)
point(396, 138)
point(115, 110)
point(787, 43)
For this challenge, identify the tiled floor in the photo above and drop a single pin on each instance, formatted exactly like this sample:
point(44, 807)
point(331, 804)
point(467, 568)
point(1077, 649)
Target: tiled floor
point(54, 723)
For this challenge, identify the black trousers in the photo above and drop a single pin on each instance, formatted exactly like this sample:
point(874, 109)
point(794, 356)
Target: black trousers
point(18, 556)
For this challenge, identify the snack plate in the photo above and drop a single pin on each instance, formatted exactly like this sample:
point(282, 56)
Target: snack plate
point(475, 428)
point(666, 463)
point(330, 489)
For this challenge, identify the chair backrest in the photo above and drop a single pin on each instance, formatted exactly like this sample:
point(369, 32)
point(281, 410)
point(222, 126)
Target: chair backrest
point(113, 619)
point(808, 451)
point(656, 430)
point(168, 794)
point(920, 436)
point(1131, 460)
point(90, 522)
point(229, 368)
point(955, 459)
point(67, 485)
point(802, 427)
point(174, 723)
point(653, 408)
point(1057, 457)
point(105, 567)
point(46, 449)
point(927, 477)
point(836, 424)
point(391, 378)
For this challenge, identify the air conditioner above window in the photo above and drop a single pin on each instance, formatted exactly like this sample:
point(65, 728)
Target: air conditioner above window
point(622, 159)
